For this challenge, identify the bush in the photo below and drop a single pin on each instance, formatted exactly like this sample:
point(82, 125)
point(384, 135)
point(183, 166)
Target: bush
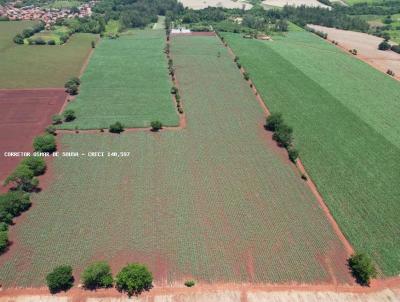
point(116, 128)
point(18, 39)
point(40, 41)
point(174, 90)
point(12, 204)
point(283, 136)
point(22, 179)
point(293, 154)
point(51, 42)
point(134, 279)
point(190, 283)
point(303, 176)
point(390, 72)
point(51, 130)
point(156, 125)
point(45, 143)
point(69, 115)
point(246, 76)
point(236, 59)
point(238, 65)
point(72, 89)
point(97, 275)
point(395, 48)
point(36, 164)
point(60, 279)
point(57, 119)
point(74, 80)
point(384, 45)
point(362, 268)
point(93, 44)
point(274, 121)
point(3, 241)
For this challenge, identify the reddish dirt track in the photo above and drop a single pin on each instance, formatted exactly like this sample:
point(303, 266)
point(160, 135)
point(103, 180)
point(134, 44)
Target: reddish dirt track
point(25, 114)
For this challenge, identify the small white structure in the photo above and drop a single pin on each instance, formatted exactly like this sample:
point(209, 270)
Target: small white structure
point(181, 30)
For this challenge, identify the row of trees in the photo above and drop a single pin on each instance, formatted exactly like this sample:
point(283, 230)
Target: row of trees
point(23, 181)
point(132, 279)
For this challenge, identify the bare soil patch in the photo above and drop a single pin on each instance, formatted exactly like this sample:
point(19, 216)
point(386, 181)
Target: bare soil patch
point(366, 46)
point(25, 114)
point(282, 3)
point(200, 4)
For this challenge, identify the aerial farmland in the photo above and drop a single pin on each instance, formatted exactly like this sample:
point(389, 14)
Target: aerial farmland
point(171, 153)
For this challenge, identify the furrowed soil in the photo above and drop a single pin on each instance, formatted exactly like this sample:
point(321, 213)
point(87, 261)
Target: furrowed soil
point(216, 201)
point(345, 119)
point(25, 114)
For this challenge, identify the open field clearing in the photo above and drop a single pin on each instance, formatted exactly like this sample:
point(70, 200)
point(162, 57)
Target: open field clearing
point(127, 81)
point(345, 119)
point(367, 48)
point(205, 293)
point(282, 3)
point(200, 4)
point(216, 201)
point(25, 114)
point(45, 66)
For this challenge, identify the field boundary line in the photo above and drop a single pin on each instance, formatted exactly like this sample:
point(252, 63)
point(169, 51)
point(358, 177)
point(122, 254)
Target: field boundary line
point(177, 288)
point(313, 188)
point(174, 80)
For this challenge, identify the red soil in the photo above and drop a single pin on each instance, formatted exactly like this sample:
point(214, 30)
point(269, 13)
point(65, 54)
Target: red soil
point(81, 295)
point(25, 114)
point(196, 33)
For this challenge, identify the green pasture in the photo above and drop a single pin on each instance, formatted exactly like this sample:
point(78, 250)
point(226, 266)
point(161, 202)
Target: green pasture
point(127, 81)
point(41, 66)
point(48, 35)
point(345, 119)
point(216, 201)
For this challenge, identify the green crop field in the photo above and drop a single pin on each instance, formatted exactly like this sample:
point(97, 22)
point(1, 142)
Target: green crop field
point(216, 201)
point(30, 66)
point(127, 81)
point(345, 119)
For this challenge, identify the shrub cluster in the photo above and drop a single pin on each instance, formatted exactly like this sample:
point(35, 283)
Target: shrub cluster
point(29, 32)
point(72, 85)
point(283, 134)
point(395, 48)
point(45, 143)
point(24, 176)
point(116, 128)
point(390, 72)
point(353, 51)
point(362, 268)
point(384, 45)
